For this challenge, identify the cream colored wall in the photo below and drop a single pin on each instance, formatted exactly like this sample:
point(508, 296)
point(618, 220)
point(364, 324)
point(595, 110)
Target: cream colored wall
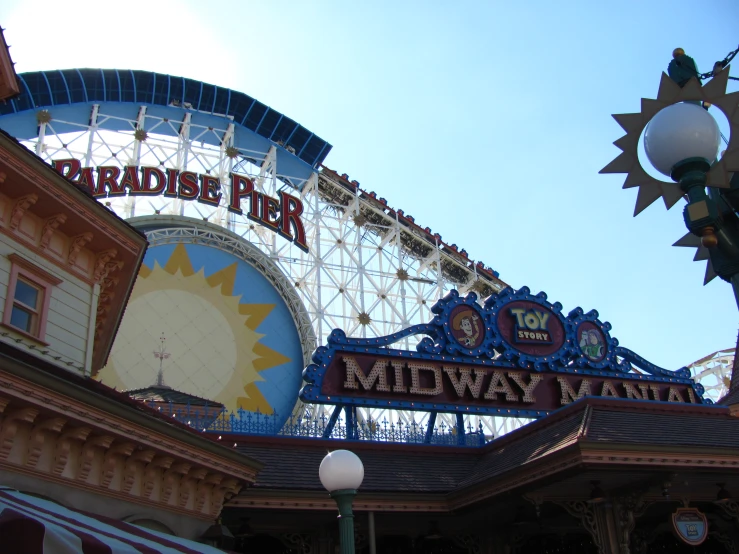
point(69, 312)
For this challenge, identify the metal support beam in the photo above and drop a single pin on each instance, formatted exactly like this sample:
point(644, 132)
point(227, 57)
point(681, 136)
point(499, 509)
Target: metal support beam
point(332, 421)
point(430, 428)
point(460, 429)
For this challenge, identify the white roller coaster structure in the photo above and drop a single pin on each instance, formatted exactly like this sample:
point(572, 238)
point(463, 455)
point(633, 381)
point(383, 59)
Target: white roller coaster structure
point(370, 269)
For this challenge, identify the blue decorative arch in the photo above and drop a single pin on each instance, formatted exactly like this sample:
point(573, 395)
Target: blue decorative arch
point(65, 87)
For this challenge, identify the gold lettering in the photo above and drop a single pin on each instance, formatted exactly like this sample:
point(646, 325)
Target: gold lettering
point(691, 396)
point(416, 381)
point(399, 386)
point(531, 321)
point(631, 392)
point(499, 384)
point(543, 318)
point(673, 395)
point(518, 312)
point(354, 372)
point(568, 393)
point(608, 389)
point(528, 390)
point(465, 380)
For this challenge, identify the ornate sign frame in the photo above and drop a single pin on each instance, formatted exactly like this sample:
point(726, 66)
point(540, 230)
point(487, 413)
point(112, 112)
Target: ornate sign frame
point(516, 342)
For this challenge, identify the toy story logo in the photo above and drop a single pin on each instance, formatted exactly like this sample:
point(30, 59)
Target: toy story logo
point(691, 525)
point(531, 328)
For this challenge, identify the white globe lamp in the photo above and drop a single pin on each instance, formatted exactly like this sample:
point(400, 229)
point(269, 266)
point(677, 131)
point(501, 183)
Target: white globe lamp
point(341, 473)
point(341, 470)
point(680, 132)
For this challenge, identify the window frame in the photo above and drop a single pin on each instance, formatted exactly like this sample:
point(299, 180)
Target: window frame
point(38, 278)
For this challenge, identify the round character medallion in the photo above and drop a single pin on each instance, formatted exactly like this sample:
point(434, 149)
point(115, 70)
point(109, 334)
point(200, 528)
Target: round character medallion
point(591, 341)
point(467, 326)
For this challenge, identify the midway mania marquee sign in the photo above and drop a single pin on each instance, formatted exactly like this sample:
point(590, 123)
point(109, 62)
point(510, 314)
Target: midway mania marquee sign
point(518, 355)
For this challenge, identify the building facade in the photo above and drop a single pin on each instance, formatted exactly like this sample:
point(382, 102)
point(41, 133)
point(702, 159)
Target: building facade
point(67, 267)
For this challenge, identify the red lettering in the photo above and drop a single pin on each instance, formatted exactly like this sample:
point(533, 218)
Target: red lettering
point(87, 179)
point(240, 186)
point(67, 168)
point(209, 186)
point(148, 173)
point(108, 178)
point(188, 185)
point(270, 206)
point(171, 183)
point(130, 179)
point(290, 210)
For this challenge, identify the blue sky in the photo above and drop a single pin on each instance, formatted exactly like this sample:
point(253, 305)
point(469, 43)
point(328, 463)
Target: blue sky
point(486, 121)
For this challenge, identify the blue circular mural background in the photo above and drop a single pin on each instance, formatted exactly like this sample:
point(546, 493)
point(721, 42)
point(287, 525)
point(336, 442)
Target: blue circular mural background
point(226, 330)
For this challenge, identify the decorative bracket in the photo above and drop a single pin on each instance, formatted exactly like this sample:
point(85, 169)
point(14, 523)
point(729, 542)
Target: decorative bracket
point(50, 225)
point(585, 513)
point(75, 245)
point(627, 510)
point(20, 207)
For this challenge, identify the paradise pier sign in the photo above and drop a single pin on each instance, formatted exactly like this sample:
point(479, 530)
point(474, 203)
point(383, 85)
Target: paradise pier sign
point(281, 215)
point(518, 355)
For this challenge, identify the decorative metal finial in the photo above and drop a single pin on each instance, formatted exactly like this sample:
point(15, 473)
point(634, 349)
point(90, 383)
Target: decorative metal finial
point(161, 355)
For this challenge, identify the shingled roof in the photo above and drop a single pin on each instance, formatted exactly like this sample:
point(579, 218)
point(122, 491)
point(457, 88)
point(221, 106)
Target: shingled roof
point(163, 393)
point(293, 464)
point(591, 423)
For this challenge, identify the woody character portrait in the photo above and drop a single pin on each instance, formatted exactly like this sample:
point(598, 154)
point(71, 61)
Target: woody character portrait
point(466, 327)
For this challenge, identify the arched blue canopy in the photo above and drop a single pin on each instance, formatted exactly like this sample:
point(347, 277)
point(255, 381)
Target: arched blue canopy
point(65, 87)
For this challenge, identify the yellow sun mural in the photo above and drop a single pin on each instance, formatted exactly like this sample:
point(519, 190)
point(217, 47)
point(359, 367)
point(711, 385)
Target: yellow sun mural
point(211, 338)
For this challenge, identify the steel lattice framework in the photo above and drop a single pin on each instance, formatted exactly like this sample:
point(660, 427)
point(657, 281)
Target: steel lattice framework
point(714, 373)
point(370, 269)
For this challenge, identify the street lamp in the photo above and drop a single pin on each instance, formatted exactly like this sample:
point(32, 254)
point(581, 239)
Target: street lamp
point(341, 474)
point(681, 140)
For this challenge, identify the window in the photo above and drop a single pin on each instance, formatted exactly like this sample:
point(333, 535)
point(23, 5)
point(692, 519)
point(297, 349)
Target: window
point(26, 306)
point(28, 299)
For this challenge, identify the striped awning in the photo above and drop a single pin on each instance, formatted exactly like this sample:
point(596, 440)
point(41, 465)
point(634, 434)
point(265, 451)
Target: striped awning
point(32, 525)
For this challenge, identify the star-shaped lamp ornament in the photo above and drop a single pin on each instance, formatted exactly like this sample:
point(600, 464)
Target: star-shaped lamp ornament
point(690, 97)
point(701, 253)
point(650, 189)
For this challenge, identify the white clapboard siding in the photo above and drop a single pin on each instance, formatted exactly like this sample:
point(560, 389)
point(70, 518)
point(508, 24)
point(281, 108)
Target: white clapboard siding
point(69, 311)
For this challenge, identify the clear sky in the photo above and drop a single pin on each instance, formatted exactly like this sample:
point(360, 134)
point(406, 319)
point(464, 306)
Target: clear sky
point(486, 121)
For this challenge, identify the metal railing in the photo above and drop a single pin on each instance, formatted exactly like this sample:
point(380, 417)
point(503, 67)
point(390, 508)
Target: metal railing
point(243, 422)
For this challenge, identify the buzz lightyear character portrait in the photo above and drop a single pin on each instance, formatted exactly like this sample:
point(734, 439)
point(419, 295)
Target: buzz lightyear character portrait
point(591, 344)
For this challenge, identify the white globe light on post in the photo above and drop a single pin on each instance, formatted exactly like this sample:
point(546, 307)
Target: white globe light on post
point(680, 132)
point(341, 474)
point(682, 141)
